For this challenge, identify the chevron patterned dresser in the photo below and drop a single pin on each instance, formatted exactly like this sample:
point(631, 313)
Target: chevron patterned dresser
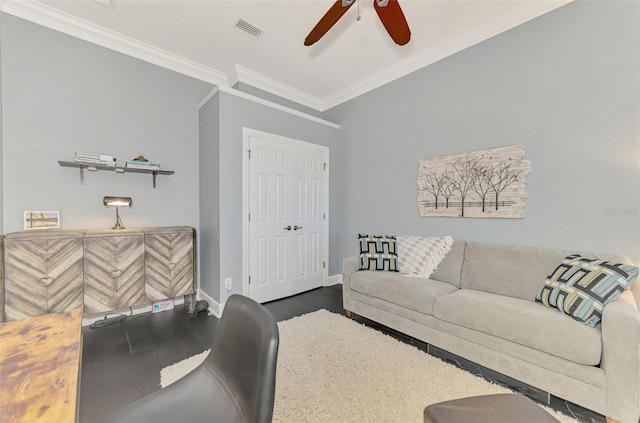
point(96, 270)
point(1, 279)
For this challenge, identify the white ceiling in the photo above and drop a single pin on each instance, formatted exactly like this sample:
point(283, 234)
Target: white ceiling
point(197, 38)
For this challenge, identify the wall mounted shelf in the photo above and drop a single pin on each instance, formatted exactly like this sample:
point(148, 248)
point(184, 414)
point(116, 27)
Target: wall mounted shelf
point(116, 169)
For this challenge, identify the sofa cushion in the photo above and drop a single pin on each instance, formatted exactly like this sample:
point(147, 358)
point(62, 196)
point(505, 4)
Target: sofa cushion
point(521, 321)
point(513, 270)
point(580, 287)
point(378, 253)
point(412, 293)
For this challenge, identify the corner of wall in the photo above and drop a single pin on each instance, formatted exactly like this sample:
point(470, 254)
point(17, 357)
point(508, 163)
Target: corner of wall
point(214, 306)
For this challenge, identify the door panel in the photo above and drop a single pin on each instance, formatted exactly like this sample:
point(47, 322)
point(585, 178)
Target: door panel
point(42, 276)
point(302, 255)
point(169, 264)
point(114, 272)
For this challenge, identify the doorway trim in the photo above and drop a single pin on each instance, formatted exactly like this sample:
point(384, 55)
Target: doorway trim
point(246, 134)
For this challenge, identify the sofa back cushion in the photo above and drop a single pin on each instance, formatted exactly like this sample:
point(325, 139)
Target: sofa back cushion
point(514, 270)
point(450, 268)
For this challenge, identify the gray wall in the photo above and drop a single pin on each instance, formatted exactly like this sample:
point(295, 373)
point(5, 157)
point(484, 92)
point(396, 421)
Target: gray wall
point(209, 239)
point(62, 95)
point(234, 114)
point(565, 85)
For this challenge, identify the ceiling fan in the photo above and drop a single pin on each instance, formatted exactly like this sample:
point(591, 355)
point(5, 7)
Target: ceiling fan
point(389, 12)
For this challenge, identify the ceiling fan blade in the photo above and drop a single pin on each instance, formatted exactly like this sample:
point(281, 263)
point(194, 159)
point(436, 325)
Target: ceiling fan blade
point(332, 16)
point(393, 19)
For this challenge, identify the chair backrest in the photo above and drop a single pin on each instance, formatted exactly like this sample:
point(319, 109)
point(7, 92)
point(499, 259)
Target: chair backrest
point(244, 354)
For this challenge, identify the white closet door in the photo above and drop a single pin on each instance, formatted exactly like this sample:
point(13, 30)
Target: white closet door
point(287, 230)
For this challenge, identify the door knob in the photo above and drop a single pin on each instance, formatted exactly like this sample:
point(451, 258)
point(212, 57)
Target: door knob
point(295, 228)
point(287, 228)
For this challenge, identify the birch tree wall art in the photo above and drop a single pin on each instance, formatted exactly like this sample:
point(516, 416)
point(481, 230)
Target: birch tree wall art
point(486, 183)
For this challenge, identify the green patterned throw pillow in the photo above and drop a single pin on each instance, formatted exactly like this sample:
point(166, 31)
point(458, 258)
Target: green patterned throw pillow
point(580, 287)
point(378, 253)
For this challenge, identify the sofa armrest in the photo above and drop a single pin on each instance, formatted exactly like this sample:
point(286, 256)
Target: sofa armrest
point(350, 265)
point(621, 357)
point(635, 290)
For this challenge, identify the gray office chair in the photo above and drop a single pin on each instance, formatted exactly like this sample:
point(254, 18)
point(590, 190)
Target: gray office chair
point(235, 383)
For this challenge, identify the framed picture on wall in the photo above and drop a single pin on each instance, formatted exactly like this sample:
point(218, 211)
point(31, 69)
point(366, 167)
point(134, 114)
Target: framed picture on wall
point(41, 220)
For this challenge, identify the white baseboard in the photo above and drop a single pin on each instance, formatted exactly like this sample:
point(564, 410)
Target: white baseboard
point(334, 279)
point(215, 308)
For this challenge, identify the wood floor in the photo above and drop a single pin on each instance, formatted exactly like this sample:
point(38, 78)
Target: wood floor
point(121, 362)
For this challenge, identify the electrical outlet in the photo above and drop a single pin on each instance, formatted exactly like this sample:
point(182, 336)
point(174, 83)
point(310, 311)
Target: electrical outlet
point(227, 284)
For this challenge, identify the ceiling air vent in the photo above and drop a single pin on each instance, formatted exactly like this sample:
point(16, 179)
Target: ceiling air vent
point(248, 29)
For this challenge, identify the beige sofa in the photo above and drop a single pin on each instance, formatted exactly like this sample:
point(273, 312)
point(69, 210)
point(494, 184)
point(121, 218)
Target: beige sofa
point(480, 304)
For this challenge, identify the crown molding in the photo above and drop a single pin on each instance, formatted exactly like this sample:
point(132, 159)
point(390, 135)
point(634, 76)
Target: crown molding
point(502, 22)
point(276, 106)
point(278, 88)
point(208, 97)
point(262, 101)
point(57, 20)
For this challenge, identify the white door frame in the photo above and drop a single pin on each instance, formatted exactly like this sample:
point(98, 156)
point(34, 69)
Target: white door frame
point(246, 134)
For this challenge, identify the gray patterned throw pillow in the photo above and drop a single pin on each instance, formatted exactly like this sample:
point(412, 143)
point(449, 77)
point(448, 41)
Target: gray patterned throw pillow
point(580, 287)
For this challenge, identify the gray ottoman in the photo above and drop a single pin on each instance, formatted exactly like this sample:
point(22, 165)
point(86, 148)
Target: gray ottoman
point(512, 408)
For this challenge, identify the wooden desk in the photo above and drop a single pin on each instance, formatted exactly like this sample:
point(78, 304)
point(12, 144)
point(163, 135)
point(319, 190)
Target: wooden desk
point(39, 368)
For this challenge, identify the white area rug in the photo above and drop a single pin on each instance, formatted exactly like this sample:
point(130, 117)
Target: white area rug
point(332, 369)
point(170, 374)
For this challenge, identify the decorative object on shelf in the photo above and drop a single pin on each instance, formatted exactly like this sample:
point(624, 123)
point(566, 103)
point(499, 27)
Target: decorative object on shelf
point(95, 159)
point(41, 220)
point(485, 183)
point(116, 169)
point(141, 162)
point(117, 202)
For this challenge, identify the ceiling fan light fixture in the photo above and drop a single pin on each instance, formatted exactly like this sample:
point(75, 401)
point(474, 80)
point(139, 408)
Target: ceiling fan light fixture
point(250, 30)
